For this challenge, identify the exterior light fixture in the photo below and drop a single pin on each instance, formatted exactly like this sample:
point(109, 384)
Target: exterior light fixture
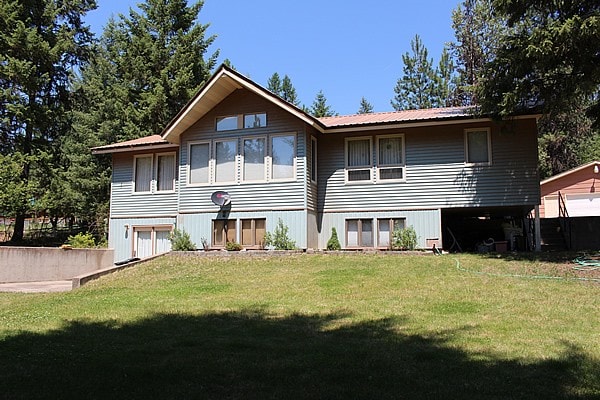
point(596, 169)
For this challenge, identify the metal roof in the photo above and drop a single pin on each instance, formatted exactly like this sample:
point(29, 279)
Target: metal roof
point(430, 114)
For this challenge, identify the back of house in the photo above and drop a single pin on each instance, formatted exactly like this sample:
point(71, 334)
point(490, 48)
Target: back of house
point(455, 177)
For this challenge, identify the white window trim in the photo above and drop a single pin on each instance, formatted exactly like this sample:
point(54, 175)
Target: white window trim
point(210, 163)
point(314, 160)
point(236, 162)
point(147, 228)
point(155, 180)
point(240, 121)
point(270, 157)
point(391, 166)
point(243, 160)
point(369, 167)
point(489, 146)
point(135, 158)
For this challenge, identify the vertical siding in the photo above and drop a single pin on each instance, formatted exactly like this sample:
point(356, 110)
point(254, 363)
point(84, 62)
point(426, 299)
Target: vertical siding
point(125, 203)
point(436, 174)
point(246, 196)
point(199, 225)
point(427, 223)
point(121, 239)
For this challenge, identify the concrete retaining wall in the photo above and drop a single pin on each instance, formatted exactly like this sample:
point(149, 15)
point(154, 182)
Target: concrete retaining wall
point(26, 264)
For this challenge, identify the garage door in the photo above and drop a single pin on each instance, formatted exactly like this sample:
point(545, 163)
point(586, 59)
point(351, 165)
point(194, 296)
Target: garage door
point(582, 205)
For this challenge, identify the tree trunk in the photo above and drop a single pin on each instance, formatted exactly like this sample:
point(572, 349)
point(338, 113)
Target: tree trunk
point(19, 229)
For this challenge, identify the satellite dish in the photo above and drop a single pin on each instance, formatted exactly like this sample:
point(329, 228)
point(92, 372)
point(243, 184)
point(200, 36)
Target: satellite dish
point(221, 198)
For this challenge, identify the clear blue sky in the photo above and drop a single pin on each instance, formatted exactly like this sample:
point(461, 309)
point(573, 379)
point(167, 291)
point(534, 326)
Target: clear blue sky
point(348, 49)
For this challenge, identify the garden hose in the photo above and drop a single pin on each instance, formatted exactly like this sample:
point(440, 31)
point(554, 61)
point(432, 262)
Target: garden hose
point(587, 263)
point(460, 268)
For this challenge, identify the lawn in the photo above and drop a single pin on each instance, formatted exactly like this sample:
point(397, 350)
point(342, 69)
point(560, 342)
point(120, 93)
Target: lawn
point(348, 326)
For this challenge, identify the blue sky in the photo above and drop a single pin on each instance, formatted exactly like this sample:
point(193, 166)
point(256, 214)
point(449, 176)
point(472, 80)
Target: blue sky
point(348, 49)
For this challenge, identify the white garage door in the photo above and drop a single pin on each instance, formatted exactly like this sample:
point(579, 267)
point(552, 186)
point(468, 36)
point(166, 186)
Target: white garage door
point(582, 205)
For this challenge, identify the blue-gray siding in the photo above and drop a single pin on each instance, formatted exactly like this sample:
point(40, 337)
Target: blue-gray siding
point(427, 223)
point(289, 195)
point(436, 174)
point(199, 225)
point(124, 203)
point(120, 233)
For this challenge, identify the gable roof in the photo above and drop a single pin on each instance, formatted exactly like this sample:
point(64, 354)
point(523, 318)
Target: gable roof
point(570, 172)
point(224, 82)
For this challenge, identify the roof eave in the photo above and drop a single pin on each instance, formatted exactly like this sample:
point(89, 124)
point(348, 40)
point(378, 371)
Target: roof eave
point(130, 148)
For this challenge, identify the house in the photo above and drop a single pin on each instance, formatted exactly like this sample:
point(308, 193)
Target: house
point(576, 189)
point(365, 175)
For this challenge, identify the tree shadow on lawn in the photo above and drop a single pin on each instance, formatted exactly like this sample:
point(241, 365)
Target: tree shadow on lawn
point(253, 355)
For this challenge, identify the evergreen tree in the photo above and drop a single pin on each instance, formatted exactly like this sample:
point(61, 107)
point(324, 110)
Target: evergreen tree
point(274, 84)
point(41, 43)
point(415, 89)
point(445, 83)
point(549, 58)
point(283, 89)
point(478, 32)
point(365, 107)
point(320, 108)
point(288, 92)
point(147, 66)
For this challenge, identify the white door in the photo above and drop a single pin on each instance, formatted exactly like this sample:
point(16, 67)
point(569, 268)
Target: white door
point(163, 244)
point(143, 243)
point(583, 205)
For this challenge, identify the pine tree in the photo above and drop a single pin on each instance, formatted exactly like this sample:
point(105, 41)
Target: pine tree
point(288, 92)
point(478, 32)
point(445, 83)
point(365, 107)
point(415, 89)
point(274, 84)
point(320, 108)
point(41, 42)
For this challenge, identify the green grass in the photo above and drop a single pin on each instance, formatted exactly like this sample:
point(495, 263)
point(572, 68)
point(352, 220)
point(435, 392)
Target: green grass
point(309, 327)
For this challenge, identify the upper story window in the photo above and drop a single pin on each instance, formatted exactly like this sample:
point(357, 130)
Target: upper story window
point(358, 160)
point(142, 173)
point(199, 162)
point(283, 154)
point(254, 159)
point(225, 160)
point(241, 121)
point(390, 157)
point(165, 173)
point(478, 150)
point(242, 160)
point(147, 178)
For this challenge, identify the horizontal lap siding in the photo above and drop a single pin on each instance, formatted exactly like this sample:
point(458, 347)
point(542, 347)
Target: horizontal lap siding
point(246, 196)
point(436, 175)
point(124, 203)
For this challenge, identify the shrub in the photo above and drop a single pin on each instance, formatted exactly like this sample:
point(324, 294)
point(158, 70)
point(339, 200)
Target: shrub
point(334, 243)
point(279, 238)
point(233, 246)
point(82, 241)
point(405, 239)
point(181, 241)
